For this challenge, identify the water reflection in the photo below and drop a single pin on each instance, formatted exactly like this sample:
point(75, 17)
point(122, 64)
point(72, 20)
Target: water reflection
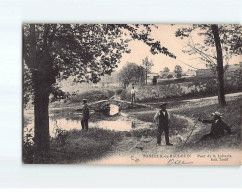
point(69, 124)
point(123, 123)
point(114, 109)
point(118, 125)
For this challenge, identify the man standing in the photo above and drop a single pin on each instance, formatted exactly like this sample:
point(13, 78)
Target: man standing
point(85, 116)
point(164, 122)
point(132, 95)
point(217, 128)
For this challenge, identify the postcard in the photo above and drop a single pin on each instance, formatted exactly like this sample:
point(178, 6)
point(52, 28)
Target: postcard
point(132, 94)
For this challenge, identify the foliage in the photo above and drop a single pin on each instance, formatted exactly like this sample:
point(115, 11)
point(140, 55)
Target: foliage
point(28, 147)
point(166, 69)
point(178, 71)
point(57, 51)
point(231, 42)
point(147, 64)
point(91, 96)
point(132, 73)
point(231, 115)
point(27, 86)
point(125, 95)
point(118, 91)
point(84, 51)
point(82, 146)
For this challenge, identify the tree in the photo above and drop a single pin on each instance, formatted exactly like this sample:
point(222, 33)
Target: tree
point(178, 71)
point(166, 69)
point(132, 73)
point(224, 38)
point(56, 51)
point(147, 64)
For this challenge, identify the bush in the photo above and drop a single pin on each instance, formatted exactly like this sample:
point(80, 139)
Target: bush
point(28, 148)
point(91, 96)
point(125, 95)
point(118, 91)
point(109, 93)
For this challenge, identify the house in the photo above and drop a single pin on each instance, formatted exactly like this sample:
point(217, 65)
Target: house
point(152, 75)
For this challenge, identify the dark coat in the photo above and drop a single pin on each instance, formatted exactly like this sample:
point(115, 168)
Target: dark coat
point(85, 112)
point(218, 127)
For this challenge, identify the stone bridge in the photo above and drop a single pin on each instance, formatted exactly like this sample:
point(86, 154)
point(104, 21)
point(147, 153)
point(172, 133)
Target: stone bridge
point(123, 105)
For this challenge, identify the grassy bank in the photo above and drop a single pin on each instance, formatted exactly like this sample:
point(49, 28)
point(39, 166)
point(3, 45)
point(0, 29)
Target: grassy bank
point(78, 147)
point(84, 146)
point(231, 115)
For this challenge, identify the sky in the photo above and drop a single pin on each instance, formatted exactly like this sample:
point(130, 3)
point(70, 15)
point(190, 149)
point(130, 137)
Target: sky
point(166, 35)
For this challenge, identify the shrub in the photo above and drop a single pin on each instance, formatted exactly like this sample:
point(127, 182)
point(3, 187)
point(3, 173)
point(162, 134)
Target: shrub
point(109, 93)
point(28, 147)
point(118, 91)
point(125, 95)
point(92, 95)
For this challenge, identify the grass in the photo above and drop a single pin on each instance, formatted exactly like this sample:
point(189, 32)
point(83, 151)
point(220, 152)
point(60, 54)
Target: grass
point(80, 147)
point(231, 115)
point(176, 122)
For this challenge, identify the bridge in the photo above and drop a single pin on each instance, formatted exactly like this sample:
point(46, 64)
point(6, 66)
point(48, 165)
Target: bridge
point(123, 104)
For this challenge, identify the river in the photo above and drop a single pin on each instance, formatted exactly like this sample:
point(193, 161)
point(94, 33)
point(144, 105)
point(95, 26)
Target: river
point(121, 123)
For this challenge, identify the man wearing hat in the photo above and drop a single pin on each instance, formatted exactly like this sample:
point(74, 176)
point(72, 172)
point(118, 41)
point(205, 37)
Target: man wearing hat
point(133, 91)
point(217, 128)
point(164, 122)
point(85, 115)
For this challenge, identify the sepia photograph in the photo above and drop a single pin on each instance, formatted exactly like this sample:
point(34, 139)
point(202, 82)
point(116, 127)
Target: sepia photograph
point(131, 94)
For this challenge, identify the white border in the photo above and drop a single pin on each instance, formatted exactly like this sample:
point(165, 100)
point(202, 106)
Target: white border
point(12, 15)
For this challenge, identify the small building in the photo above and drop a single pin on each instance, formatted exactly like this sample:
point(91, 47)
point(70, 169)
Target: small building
point(152, 75)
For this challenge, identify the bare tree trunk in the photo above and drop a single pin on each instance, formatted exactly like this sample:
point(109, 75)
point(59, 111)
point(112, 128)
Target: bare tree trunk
point(42, 80)
point(220, 71)
point(41, 119)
